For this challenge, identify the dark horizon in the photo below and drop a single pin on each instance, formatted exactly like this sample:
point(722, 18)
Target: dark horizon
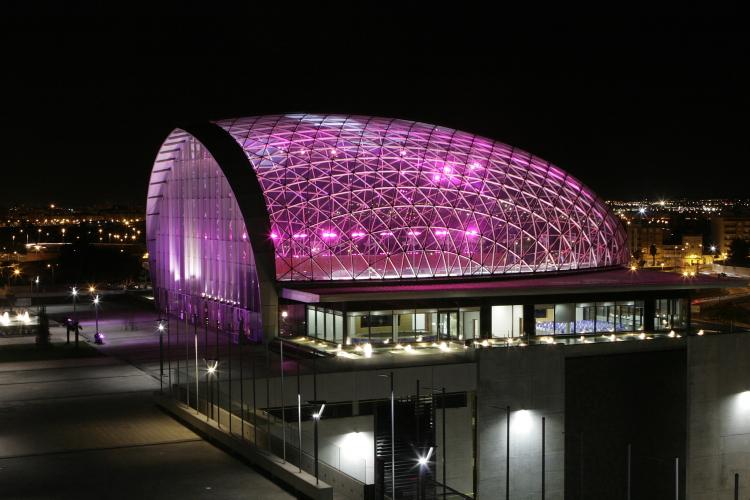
point(641, 107)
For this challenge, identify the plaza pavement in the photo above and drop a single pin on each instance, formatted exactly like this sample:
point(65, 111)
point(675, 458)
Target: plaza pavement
point(87, 428)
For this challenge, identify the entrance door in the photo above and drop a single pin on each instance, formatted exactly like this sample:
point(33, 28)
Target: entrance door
point(447, 325)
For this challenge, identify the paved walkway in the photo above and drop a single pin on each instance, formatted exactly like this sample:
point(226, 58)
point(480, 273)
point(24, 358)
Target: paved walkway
point(87, 428)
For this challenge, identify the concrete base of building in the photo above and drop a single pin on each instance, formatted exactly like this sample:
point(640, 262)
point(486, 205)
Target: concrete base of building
point(302, 482)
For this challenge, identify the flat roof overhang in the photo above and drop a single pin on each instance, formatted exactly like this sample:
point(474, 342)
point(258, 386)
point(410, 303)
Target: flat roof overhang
point(594, 282)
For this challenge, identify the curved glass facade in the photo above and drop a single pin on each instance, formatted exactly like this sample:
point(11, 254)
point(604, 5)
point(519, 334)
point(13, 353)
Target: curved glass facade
point(354, 197)
point(200, 256)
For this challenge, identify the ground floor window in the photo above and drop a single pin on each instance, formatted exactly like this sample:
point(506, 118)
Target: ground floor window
point(670, 314)
point(393, 326)
point(325, 324)
point(507, 321)
point(589, 317)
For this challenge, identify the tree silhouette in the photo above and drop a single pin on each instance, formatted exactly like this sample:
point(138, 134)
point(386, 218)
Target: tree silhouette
point(652, 253)
point(738, 253)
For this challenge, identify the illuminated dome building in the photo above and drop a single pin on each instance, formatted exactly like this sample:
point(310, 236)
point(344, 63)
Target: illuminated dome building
point(451, 261)
point(326, 210)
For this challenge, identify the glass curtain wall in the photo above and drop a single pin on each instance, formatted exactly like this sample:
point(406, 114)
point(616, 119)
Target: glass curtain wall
point(201, 260)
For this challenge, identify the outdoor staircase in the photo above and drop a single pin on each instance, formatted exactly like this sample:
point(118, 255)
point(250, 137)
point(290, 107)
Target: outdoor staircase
point(415, 434)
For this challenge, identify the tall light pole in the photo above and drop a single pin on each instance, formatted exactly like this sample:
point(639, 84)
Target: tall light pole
point(316, 418)
point(507, 453)
point(444, 453)
point(74, 293)
point(393, 437)
point(283, 405)
point(160, 329)
point(211, 365)
point(424, 462)
point(96, 313)
point(544, 439)
point(507, 449)
point(195, 338)
point(299, 417)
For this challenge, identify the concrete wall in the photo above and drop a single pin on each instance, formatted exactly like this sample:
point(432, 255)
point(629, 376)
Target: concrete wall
point(531, 382)
point(459, 466)
point(718, 442)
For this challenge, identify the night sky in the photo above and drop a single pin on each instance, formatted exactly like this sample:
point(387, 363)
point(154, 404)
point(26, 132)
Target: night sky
point(634, 105)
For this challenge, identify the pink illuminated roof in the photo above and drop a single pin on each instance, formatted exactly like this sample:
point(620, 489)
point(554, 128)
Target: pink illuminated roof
point(355, 197)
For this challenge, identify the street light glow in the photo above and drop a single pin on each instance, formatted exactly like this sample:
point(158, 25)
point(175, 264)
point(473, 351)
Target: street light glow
point(743, 399)
point(96, 300)
point(317, 416)
point(425, 459)
point(522, 422)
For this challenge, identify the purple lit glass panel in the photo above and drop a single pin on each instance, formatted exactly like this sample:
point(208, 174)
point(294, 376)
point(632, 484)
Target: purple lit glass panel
point(200, 257)
point(353, 197)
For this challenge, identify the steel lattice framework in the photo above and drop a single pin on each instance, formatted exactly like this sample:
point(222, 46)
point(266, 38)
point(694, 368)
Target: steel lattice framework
point(355, 197)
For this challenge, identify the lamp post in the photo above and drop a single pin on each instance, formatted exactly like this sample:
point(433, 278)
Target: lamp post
point(195, 338)
point(507, 453)
point(544, 430)
point(444, 452)
point(211, 366)
point(283, 405)
point(96, 315)
point(316, 418)
point(424, 462)
point(74, 293)
point(160, 329)
point(299, 417)
point(393, 437)
point(507, 448)
point(169, 351)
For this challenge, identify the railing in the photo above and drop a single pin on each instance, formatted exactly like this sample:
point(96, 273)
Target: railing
point(263, 429)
